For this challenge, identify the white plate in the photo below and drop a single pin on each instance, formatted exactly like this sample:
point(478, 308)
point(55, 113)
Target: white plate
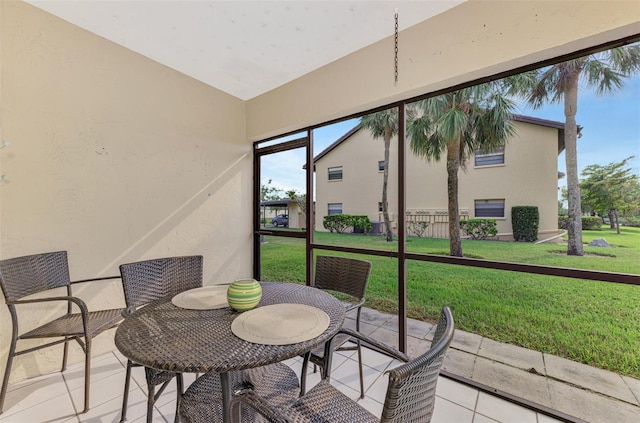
point(207, 297)
point(280, 324)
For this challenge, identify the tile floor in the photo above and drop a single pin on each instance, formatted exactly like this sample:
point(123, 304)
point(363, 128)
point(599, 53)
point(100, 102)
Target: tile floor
point(58, 396)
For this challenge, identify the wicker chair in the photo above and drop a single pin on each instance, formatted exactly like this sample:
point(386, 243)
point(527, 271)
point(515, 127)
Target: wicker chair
point(348, 276)
point(23, 276)
point(410, 393)
point(150, 280)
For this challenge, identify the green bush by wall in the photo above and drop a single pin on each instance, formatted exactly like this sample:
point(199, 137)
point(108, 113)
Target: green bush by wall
point(588, 222)
point(479, 228)
point(340, 222)
point(525, 221)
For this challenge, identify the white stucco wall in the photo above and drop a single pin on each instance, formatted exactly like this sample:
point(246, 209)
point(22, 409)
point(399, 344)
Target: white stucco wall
point(113, 158)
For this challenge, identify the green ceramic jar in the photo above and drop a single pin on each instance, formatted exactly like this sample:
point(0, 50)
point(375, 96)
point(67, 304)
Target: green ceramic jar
point(244, 294)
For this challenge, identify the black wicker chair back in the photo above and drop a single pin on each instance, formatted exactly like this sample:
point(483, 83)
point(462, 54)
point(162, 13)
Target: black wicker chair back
point(412, 387)
point(411, 390)
point(348, 276)
point(21, 277)
point(150, 280)
point(342, 274)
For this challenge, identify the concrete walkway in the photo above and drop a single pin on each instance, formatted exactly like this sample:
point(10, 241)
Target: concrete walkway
point(574, 389)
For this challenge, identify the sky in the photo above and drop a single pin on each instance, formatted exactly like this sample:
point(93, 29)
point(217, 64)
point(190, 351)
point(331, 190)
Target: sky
point(611, 133)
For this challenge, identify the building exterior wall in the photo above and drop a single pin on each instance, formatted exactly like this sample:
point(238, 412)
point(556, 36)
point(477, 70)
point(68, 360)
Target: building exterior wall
point(114, 158)
point(528, 177)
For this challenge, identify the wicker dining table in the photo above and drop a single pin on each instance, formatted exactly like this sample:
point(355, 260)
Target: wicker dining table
point(166, 337)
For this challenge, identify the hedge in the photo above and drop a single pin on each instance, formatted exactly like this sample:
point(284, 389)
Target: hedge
point(340, 222)
point(479, 228)
point(588, 222)
point(525, 221)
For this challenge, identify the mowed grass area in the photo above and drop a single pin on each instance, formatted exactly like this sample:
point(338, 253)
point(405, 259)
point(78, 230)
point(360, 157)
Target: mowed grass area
point(596, 323)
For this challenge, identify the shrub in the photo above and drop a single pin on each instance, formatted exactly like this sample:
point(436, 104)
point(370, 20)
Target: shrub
point(417, 228)
point(479, 228)
point(525, 221)
point(588, 222)
point(340, 222)
point(562, 221)
point(361, 223)
point(335, 223)
point(591, 222)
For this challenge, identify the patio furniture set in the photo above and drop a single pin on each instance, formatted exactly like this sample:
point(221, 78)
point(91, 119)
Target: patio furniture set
point(236, 355)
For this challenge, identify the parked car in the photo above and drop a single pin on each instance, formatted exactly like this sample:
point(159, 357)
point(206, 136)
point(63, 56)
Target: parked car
point(281, 219)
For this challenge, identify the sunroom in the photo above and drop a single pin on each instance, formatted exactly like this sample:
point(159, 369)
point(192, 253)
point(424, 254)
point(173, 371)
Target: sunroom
point(115, 157)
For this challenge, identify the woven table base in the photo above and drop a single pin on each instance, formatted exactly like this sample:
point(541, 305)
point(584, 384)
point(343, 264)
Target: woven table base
point(202, 402)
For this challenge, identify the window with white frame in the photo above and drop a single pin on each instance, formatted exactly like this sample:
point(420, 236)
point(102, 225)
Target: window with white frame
point(381, 166)
point(334, 208)
point(380, 208)
point(489, 208)
point(489, 157)
point(335, 173)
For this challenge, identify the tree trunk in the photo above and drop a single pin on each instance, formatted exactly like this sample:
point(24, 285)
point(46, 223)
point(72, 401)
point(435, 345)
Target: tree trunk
point(453, 164)
point(615, 211)
point(385, 180)
point(574, 221)
point(612, 224)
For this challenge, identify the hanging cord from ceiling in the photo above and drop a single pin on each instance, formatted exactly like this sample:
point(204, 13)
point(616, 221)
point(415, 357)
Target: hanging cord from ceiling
point(396, 48)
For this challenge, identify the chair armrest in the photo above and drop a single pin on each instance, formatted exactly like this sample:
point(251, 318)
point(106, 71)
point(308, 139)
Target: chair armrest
point(353, 306)
point(84, 311)
point(105, 278)
point(250, 399)
point(77, 301)
point(376, 344)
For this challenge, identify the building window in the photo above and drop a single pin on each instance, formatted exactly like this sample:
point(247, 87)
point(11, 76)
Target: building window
point(381, 166)
point(489, 208)
point(335, 173)
point(380, 209)
point(335, 208)
point(490, 157)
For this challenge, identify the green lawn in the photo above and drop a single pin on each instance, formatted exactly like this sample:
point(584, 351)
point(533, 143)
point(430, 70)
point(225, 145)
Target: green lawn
point(596, 323)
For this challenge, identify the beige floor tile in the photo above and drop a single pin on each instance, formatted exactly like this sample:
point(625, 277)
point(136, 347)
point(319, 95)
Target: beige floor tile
point(110, 411)
point(372, 406)
point(543, 418)
point(102, 391)
point(503, 411)
point(479, 418)
point(47, 398)
point(40, 409)
point(449, 412)
point(31, 393)
point(348, 374)
point(457, 393)
point(378, 389)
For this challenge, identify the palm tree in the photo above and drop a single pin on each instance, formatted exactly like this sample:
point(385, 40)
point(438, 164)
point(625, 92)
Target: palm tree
point(383, 125)
point(457, 124)
point(605, 71)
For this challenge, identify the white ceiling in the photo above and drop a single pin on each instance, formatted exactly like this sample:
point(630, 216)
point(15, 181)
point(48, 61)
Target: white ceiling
point(244, 48)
